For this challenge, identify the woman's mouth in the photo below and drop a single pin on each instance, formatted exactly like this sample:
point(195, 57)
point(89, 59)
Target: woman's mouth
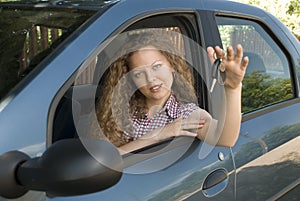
point(155, 88)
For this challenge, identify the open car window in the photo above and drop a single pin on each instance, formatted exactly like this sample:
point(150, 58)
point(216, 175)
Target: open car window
point(77, 114)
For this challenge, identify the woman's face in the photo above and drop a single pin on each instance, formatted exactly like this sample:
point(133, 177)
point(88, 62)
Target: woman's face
point(152, 74)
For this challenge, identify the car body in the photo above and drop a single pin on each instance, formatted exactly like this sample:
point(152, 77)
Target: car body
point(264, 164)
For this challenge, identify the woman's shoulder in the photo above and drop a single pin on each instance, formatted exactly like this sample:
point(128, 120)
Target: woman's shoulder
point(187, 108)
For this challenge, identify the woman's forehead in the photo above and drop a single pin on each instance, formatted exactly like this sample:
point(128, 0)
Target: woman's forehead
point(146, 56)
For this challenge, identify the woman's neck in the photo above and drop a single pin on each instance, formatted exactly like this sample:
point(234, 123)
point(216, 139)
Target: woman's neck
point(153, 110)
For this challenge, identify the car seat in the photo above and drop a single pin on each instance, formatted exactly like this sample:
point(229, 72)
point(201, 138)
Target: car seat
point(256, 63)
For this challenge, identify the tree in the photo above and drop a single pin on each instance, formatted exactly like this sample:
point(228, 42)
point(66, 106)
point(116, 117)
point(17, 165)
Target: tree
point(294, 7)
point(260, 90)
point(287, 11)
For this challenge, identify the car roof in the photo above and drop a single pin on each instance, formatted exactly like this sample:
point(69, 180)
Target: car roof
point(78, 4)
point(223, 6)
point(98, 4)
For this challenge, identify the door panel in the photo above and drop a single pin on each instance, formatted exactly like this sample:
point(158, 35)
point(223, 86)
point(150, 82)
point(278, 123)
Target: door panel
point(174, 170)
point(182, 180)
point(266, 154)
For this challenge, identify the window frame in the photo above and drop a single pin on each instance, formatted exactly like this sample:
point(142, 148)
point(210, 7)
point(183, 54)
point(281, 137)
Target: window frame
point(187, 21)
point(268, 30)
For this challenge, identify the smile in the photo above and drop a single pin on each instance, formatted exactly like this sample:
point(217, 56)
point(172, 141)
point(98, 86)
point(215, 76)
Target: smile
point(155, 88)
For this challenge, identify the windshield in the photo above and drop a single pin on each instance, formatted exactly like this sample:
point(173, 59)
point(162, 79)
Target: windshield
point(91, 4)
point(31, 30)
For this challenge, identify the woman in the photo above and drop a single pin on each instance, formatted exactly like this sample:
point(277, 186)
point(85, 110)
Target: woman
point(149, 95)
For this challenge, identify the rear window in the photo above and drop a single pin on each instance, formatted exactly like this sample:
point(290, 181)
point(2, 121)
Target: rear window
point(28, 35)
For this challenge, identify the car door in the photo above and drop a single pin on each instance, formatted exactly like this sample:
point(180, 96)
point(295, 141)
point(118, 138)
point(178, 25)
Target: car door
point(181, 168)
point(266, 154)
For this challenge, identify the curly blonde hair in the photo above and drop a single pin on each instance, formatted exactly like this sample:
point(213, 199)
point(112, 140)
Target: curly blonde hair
point(119, 93)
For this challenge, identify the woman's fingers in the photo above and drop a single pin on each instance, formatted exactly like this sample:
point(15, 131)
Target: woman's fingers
point(184, 127)
point(211, 54)
point(239, 52)
point(245, 63)
point(188, 133)
point(219, 52)
point(192, 124)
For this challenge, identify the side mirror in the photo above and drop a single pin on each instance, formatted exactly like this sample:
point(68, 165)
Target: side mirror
point(66, 168)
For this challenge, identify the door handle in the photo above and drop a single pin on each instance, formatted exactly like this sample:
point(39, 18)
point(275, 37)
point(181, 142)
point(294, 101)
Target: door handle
point(215, 182)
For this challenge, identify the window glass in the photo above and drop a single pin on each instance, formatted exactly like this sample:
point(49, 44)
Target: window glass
point(27, 36)
point(267, 79)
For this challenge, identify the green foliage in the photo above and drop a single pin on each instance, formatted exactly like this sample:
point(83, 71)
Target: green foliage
point(286, 11)
point(294, 7)
point(260, 90)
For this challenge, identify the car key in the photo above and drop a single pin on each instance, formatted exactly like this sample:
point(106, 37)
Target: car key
point(215, 69)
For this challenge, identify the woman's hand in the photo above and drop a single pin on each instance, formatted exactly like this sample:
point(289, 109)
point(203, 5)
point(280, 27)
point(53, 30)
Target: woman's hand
point(234, 65)
point(179, 127)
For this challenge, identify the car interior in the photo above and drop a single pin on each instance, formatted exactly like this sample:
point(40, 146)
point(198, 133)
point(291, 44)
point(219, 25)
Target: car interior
point(69, 111)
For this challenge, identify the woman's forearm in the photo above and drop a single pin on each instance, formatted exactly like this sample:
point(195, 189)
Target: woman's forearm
point(233, 116)
point(218, 132)
point(148, 139)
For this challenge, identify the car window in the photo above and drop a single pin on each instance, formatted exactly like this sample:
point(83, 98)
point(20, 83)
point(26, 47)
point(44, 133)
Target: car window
point(92, 77)
point(268, 78)
point(28, 35)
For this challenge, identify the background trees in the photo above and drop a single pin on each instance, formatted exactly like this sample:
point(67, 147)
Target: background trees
point(288, 11)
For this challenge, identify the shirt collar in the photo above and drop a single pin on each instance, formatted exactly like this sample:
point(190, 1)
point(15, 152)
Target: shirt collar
point(172, 107)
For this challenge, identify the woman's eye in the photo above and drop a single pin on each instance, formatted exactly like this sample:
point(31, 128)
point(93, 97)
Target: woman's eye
point(137, 74)
point(156, 66)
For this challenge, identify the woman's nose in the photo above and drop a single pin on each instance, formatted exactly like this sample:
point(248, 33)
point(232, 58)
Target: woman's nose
point(150, 76)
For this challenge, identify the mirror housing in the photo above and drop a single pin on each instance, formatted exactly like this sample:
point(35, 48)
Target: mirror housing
point(66, 168)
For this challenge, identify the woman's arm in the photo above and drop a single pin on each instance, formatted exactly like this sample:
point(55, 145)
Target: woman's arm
point(235, 67)
point(178, 127)
point(222, 133)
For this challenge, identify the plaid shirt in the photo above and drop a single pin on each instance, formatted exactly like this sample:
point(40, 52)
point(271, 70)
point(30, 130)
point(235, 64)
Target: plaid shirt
point(171, 111)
